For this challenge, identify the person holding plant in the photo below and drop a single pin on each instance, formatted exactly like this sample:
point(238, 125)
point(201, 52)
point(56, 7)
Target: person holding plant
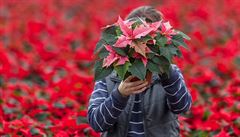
point(128, 107)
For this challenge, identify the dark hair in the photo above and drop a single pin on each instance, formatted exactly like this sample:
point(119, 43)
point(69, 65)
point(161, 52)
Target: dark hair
point(148, 12)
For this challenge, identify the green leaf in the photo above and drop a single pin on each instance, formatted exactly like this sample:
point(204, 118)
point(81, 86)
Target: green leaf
point(100, 72)
point(150, 55)
point(131, 52)
point(153, 48)
point(165, 68)
point(163, 41)
point(179, 53)
point(153, 67)
point(160, 39)
point(41, 116)
point(206, 114)
point(146, 38)
point(118, 31)
point(109, 39)
point(27, 46)
point(120, 51)
point(183, 35)
point(8, 110)
point(237, 62)
point(138, 69)
point(49, 132)
point(109, 35)
point(178, 41)
point(81, 119)
point(59, 105)
point(168, 51)
point(1, 81)
point(18, 92)
point(99, 45)
point(34, 131)
point(200, 133)
point(163, 62)
point(156, 59)
point(122, 69)
point(136, 23)
point(103, 53)
point(110, 30)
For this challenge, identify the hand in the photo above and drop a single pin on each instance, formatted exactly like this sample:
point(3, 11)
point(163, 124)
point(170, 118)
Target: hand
point(127, 87)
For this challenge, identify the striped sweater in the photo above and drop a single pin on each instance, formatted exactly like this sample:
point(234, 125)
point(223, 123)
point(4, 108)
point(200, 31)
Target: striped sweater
point(105, 107)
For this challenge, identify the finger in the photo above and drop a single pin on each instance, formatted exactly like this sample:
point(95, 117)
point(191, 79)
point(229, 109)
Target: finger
point(140, 90)
point(135, 88)
point(135, 83)
point(128, 79)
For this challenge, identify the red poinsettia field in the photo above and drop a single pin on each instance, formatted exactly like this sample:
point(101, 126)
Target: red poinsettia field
point(46, 61)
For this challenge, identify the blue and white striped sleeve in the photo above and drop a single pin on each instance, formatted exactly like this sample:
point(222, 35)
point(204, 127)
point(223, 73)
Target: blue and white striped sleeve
point(179, 99)
point(104, 107)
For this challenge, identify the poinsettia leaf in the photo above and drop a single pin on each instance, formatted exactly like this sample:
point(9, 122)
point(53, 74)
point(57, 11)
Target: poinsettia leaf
point(163, 41)
point(59, 105)
point(41, 116)
point(99, 45)
point(160, 39)
point(165, 66)
point(81, 119)
point(131, 52)
point(146, 38)
point(100, 72)
point(122, 69)
point(183, 35)
point(103, 53)
point(163, 62)
point(154, 48)
point(178, 41)
point(122, 60)
point(136, 23)
point(179, 53)
point(166, 27)
point(138, 69)
point(120, 51)
point(158, 59)
point(168, 51)
point(206, 114)
point(122, 42)
point(112, 57)
point(141, 31)
point(118, 31)
point(109, 35)
point(140, 48)
point(124, 27)
point(110, 30)
point(153, 67)
point(150, 55)
point(109, 38)
point(156, 25)
point(34, 131)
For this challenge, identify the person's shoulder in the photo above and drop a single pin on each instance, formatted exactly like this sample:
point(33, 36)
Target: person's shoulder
point(175, 67)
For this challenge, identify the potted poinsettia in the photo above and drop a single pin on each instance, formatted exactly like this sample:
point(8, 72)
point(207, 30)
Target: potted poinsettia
point(136, 47)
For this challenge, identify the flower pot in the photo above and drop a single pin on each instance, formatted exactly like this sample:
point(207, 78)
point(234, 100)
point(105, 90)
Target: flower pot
point(148, 78)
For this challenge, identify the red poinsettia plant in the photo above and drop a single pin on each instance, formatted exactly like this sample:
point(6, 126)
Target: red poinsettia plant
point(135, 47)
